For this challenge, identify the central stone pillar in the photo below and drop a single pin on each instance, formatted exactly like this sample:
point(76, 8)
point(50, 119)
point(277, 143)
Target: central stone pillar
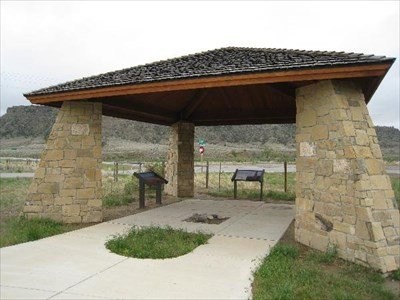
point(179, 170)
point(343, 196)
point(67, 183)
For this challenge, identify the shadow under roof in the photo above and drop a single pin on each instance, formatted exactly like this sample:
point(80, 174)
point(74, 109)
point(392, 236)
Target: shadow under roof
point(219, 87)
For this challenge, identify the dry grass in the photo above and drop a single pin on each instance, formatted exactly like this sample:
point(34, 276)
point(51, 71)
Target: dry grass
point(223, 186)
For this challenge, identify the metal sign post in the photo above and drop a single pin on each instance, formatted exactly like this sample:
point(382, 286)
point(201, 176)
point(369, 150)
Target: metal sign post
point(202, 144)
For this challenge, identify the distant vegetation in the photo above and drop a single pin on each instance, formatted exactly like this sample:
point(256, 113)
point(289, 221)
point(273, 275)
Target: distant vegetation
point(35, 122)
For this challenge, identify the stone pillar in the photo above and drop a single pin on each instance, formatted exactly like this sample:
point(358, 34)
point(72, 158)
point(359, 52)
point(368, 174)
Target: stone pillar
point(67, 183)
point(179, 170)
point(343, 196)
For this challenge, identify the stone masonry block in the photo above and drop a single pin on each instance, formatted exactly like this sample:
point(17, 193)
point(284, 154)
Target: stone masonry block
point(71, 210)
point(380, 182)
point(32, 208)
point(320, 132)
point(54, 154)
point(80, 129)
point(48, 188)
point(86, 193)
point(308, 117)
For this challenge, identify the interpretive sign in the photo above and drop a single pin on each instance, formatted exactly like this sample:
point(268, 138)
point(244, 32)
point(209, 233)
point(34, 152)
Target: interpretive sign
point(151, 179)
point(248, 175)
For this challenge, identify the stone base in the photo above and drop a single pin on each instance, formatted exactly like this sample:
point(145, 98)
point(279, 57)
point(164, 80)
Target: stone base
point(343, 196)
point(179, 170)
point(67, 183)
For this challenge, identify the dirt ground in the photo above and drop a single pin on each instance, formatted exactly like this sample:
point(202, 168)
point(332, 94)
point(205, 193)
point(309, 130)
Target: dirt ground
point(111, 213)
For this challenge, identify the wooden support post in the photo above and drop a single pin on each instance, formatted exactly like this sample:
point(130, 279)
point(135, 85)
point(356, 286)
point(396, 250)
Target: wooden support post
point(141, 193)
point(285, 173)
point(115, 173)
point(207, 170)
point(219, 177)
point(158, 194)
point(261, 189)
point(235, 189)
point(114, 170)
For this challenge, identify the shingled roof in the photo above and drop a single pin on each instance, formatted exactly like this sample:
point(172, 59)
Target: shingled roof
point(224, 61)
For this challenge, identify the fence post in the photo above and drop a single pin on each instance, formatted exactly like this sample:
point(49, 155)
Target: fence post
point(219, 176)
point(115, 171)
point(285, 171)
point(207, 170)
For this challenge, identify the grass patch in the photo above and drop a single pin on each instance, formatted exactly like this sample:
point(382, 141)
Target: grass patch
point(121, 192)
point(278, 195)
point(273, 186)
point(12, 195)
point(396, 275)
point(396, 188)
point(20, 230)
point(327, 257)
point(288, 273)
point(156, 242)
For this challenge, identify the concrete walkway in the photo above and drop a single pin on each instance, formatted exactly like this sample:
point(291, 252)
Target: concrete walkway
point(76, 265)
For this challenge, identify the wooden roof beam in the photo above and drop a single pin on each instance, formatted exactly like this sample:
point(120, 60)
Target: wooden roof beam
point(167, 119)
point(282, 89)
point(194, 103)
point(242, 115)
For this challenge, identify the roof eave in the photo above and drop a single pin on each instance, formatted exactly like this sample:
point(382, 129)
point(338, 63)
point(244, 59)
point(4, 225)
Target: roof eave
point(355, 71)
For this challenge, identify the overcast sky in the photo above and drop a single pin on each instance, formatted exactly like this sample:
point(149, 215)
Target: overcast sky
point(45, 43)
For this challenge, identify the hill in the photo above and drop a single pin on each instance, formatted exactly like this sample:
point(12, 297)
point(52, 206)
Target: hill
point(36, 121)
point(33, 123)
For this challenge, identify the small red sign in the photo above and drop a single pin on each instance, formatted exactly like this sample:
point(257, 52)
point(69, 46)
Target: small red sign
point(201, 149)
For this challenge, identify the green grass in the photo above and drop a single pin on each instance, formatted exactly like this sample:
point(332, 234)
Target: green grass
point(278, 195)
point(12, 194)
point(121, 192)
point(396, 189)
point(288, 274)
point(18, 230)
point(273, 186)
point(156, 242)
point(396, 275)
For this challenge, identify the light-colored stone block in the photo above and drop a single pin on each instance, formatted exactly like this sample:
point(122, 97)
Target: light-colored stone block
point(80, 129)
point(341, 165)
point(307, 149)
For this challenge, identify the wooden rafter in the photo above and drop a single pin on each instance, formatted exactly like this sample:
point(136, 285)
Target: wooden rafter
point(139, 113)
point(194, 103)
point(239, 115)
point(282, 89)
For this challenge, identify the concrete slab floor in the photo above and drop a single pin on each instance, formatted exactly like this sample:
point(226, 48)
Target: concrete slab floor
point(76, 265)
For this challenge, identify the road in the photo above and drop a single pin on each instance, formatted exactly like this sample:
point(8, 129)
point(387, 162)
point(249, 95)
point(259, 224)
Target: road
point(213, 168)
